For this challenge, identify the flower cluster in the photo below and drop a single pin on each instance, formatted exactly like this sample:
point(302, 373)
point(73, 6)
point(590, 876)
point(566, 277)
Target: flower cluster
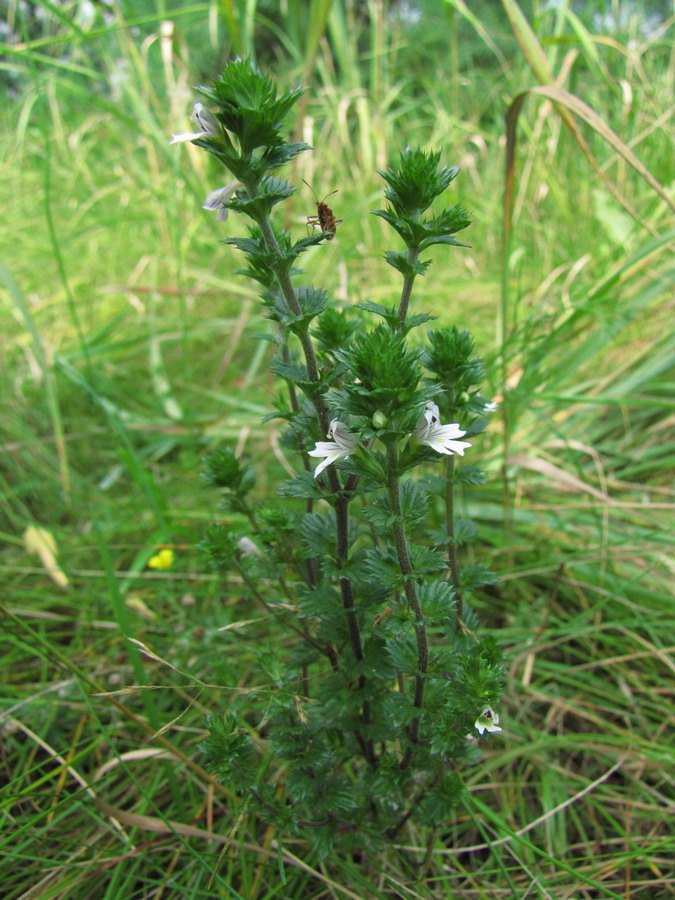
point(342, 442)
point(162, 560)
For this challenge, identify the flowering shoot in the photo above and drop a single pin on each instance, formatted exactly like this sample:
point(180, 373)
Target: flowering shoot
point(206, 122)
point(441, 438)
point(216, 200)
point(341, 446)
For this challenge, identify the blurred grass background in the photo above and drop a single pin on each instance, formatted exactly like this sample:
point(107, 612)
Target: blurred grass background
point(127, 353)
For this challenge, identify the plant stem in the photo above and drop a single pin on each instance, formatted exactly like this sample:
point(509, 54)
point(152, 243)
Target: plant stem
point(410, 590)
point(341, 497)
point(326, 650)
point(408, 280)
point(295, 406)
point(450, 531)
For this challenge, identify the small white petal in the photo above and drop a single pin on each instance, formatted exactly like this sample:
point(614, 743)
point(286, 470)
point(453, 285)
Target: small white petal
point(344, 444)
point(248, 547)
point(488, 721)
point(441, 438)
point(187, 136)
point(329, 460)
point(491, 407)
point(216, 200)
point(206, 120)
point(432, 413)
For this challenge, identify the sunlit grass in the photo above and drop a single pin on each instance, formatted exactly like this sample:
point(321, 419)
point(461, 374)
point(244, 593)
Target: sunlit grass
point(128, 352)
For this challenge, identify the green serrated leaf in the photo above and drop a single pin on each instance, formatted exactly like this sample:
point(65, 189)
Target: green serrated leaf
point(426, 561)
point(441, 239)
point(303, 487)
point(402, 264)
point(247, 245)
point(476, 576)
point(272, 190)
point(437, 600)
point(305, 243)
point(469, 474)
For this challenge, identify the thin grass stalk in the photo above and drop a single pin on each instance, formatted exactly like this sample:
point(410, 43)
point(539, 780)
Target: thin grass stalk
point(232, 15)
point(126, 628)
point(54, 656)
point(53, 403)
point(318, 22)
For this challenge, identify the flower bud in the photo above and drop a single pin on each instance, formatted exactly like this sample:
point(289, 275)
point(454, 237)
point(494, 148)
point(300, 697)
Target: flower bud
point(206, 121)
point(379, 419)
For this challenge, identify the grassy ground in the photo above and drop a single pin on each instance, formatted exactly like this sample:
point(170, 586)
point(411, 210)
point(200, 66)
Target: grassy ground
point(128, 353)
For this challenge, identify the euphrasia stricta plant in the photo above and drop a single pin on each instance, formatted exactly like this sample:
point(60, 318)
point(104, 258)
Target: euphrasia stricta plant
point(372, 706)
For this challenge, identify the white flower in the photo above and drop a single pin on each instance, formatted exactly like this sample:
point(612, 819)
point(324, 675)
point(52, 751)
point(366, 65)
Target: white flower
point(441, 438)
point(343, 444)
point(491, 407)
point(206, 122)
point(488, 720)
point(217, 199)
point(248, 547)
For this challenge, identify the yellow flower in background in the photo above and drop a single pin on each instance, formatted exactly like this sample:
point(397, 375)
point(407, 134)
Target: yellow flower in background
point(161, 560)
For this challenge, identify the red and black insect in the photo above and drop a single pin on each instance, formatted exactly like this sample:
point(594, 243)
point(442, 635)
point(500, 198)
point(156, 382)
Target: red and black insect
point(324, 218)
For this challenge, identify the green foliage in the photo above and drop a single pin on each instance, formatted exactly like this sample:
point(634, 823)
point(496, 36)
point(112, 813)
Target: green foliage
point(386, 375)
point(228, 753)
point(584, 603)
point(220, 545)
point(391, 316)
point(248, 106)
point(366, 596)
point(439, 799)
point(334, 330)
point(311, 301)
point(450, 359)
point(421, 235)
point(272, 190)
point(223, 469)
point(415, 184)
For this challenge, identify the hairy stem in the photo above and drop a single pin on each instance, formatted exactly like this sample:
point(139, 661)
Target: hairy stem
point(341, 497)
point(295, 406)
point(450, 531)
point(408, 280)
point(410, 590)
point(326, 650)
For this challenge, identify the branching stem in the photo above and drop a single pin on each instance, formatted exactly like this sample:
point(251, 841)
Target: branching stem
point(408, 281)
point(341, 498)
point(326, 649)
point(410, 590)
point(450, 531)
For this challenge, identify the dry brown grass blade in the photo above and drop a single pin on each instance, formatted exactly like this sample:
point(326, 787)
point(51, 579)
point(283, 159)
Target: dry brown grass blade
point(167, 826)
point(585, 112)
point(556, 474)
point(457, 851)
point(565, 104)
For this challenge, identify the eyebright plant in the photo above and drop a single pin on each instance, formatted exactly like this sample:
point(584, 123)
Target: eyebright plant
point(367, 714)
